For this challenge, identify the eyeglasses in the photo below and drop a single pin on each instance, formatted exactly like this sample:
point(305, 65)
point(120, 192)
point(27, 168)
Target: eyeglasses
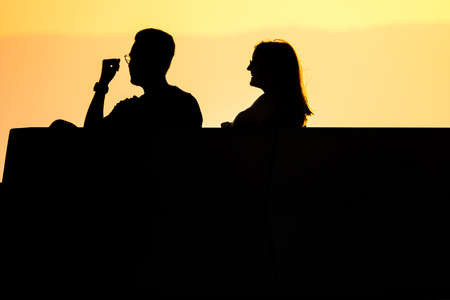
point(127, 58)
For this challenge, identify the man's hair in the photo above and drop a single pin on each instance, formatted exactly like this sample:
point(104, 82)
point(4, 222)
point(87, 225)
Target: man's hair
point(157, 42)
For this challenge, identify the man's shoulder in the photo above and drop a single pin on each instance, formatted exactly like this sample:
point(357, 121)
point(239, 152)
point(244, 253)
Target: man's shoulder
point(186, 108)
point(180, 94)
point(184, 100)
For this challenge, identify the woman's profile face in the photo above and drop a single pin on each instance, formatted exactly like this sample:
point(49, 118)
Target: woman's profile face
point(261, 76)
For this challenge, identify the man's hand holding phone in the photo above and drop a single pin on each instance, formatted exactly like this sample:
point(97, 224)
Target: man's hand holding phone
point(109, 70)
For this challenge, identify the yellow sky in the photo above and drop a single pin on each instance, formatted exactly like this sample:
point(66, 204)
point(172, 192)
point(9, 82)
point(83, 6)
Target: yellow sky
point(210, 17)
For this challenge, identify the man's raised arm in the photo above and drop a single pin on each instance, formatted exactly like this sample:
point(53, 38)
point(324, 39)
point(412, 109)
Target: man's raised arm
point(95, 112)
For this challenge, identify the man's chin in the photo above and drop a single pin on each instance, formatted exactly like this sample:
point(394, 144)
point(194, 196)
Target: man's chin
point(135, 82)
point(254, 83)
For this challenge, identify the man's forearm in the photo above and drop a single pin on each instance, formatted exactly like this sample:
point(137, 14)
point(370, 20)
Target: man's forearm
point(95, 111)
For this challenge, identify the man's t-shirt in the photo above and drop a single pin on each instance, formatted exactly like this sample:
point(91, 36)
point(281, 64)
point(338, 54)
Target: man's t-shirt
point(168, 108)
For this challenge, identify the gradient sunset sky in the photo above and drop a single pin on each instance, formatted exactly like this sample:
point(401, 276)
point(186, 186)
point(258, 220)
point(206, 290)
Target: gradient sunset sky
point(366, 63)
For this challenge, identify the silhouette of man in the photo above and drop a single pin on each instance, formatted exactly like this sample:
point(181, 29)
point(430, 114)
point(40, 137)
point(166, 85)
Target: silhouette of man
point(161, 105)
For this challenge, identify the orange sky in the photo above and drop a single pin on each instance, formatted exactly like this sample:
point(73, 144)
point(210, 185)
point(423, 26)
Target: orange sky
point(366, 63)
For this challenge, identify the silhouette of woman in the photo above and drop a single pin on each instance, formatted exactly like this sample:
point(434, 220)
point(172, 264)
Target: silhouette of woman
point(275, 69)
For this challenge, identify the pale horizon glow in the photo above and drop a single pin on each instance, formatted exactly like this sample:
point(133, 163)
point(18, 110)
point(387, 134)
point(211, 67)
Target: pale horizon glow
point(211, 17)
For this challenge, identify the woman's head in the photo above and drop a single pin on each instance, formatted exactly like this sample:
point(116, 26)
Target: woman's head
point(275, 68)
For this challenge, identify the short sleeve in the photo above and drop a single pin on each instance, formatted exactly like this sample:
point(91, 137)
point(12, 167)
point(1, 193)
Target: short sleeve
point(186, 112)
point(197, 118)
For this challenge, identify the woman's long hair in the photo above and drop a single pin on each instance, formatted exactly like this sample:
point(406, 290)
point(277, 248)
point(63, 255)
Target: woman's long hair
point(280, 58)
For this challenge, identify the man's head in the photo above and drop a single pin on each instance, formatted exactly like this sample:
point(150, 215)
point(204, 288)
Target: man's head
point(150, 56)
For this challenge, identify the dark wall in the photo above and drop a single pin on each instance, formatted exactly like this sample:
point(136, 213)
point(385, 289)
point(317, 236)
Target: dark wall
point(328, 211)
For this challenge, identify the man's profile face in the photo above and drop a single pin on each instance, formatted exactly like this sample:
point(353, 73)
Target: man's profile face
point(144, 65)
